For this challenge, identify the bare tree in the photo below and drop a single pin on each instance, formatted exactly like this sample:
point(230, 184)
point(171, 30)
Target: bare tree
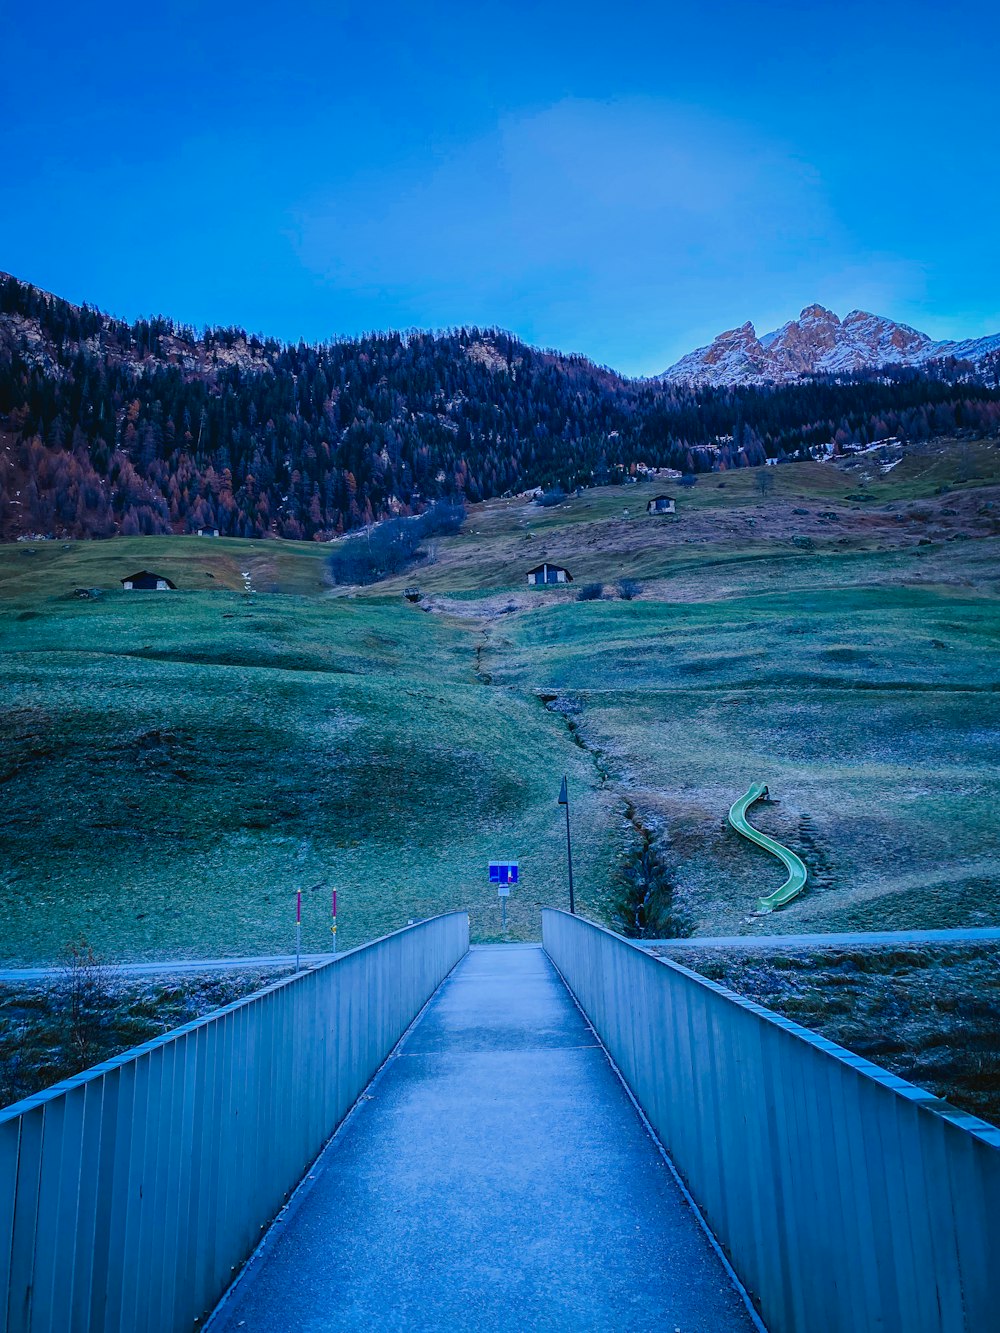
point(87, 987)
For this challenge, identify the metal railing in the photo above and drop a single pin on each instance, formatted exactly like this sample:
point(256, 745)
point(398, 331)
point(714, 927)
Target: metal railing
point(131, 1195)
point(846, 1199)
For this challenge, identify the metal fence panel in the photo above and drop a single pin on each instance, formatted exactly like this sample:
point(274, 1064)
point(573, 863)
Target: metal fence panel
point(846, 1198)
point(131, 1194)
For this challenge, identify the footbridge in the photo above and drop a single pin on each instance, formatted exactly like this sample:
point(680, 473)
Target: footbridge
point(420, 1135)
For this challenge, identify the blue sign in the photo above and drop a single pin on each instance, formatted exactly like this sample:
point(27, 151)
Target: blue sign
point(503, 872)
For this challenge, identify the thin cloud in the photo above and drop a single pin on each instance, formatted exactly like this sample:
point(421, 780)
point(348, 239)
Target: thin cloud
point(604, 227)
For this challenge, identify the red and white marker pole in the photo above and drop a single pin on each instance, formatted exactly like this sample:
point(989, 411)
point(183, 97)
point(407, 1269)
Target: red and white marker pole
point(333, 924)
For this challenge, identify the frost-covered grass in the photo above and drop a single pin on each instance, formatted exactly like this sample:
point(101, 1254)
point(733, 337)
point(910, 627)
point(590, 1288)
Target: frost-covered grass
point(45, 1036)
point(171, 775)
point(173, 765)
point(873, 715)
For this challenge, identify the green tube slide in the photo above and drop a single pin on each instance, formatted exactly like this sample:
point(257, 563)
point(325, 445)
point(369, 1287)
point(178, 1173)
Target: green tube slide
point(797, 873)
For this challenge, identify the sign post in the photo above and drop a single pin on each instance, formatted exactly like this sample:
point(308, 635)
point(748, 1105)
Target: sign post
point(503, 874)
point(298, 928)
point(333, 925)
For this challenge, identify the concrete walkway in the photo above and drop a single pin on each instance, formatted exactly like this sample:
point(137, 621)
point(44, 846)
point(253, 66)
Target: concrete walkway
point(496, 1177)
point(175, 966)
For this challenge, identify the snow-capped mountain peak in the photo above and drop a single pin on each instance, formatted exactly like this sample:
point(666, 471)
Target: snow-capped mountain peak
point(818, 342)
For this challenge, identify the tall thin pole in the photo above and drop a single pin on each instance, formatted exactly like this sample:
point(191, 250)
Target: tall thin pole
point(564, 800)
point(569, 862)
point(298, 929)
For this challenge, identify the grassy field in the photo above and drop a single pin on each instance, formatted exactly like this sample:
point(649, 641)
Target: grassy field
point(873, 715)
point(819, 526)
point(174, 765)
point(30, 571)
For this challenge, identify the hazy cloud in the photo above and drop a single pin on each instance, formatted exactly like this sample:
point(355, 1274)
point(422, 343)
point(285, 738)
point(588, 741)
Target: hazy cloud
point(603, 228)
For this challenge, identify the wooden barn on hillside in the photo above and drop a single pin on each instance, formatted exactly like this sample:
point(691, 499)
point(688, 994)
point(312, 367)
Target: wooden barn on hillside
point(662, 504)
point(547, 573)
point(147, 581)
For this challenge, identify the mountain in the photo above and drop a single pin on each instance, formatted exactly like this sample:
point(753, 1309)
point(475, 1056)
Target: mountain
point(151, 427)
point(108, 427)
point(819, 343)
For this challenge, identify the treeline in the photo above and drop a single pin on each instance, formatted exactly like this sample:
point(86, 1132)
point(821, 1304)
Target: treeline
point(149, 427)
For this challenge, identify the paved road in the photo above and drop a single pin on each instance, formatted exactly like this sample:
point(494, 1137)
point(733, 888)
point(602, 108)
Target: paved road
point(970, 935)
point(496, 1179)
point(849, 940)
point(177, 965)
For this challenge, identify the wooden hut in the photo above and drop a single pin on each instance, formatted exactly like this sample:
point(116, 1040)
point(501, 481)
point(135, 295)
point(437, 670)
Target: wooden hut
point(547, 573)
point(147, 581)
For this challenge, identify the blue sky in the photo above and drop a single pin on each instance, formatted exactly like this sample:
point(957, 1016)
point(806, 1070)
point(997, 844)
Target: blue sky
point(619, 180)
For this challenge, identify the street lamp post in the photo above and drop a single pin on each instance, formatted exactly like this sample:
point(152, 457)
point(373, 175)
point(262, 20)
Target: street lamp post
point(564, 800)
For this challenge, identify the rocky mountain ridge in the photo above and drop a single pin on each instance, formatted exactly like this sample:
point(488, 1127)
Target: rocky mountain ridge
point(819, 343)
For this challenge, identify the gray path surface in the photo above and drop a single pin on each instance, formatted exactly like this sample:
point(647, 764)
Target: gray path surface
point(176, 966)
point(496, 1178)
point(848, 940)
point(962, 935)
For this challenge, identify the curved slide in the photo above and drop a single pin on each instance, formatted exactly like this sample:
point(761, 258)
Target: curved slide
point(797, 873)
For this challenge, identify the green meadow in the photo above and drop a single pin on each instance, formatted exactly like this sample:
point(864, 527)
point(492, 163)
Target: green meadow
point(873, 715)
point(174, 765)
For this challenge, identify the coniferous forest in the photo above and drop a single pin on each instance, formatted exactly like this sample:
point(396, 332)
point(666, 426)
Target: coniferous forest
point(150, 427)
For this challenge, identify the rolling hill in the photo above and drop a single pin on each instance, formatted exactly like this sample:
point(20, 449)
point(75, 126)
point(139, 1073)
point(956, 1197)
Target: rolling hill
point(174, 764)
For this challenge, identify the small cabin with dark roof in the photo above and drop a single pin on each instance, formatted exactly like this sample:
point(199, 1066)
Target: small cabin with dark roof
point(661, 504)
point(145, 580)
point(208, 532)
point(548, 574)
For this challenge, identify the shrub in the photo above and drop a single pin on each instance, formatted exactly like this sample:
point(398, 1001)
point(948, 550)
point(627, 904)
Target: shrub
point(590, 592)
point(388, 548)
point(628, 589)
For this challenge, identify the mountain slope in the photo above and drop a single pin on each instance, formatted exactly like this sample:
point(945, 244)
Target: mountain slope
point(818, 343)
point(109, 428)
